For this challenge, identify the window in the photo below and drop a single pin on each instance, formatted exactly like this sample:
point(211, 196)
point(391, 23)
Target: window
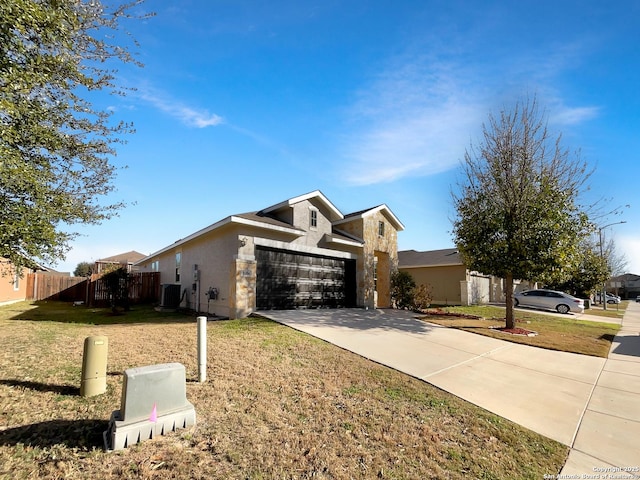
point(534, 293)
point(155, 266)
point(375, 274)
point(178, 262)
point(16, 282)
point(313, 219)
point(381, 229)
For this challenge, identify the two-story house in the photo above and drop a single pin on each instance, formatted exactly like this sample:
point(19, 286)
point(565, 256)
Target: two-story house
point(627, 285)
point(300, 253)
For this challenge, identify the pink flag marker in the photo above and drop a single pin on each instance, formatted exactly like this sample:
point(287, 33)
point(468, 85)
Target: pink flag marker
point(154, 414)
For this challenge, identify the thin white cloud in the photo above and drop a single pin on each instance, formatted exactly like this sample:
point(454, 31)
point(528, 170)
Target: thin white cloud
point(192, 117)
point(573, 116)
point(415, 121)
point(418, 117)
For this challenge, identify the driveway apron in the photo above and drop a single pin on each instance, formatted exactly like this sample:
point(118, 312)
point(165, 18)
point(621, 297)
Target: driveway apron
point(543, 390)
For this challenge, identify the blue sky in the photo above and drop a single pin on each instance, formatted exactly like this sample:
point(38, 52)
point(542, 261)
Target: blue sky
point(243, 104)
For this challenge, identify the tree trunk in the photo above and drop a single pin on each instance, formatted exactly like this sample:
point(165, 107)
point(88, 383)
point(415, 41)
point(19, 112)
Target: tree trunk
point(508, 290)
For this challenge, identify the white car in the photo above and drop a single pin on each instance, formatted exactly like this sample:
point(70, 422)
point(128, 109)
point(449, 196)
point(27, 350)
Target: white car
point(549, 300)
point(609, 297)
point(612, 298)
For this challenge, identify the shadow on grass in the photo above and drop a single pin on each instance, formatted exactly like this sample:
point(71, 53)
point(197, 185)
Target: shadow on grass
point(64, 312)
point(608, 337)
point(81, 434)
point(70, 390)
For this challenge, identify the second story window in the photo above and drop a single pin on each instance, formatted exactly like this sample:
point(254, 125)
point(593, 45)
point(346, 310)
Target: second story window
point(381, 229)
point(313, 219)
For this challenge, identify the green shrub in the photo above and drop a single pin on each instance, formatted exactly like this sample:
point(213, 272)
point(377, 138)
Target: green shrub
point(402, 287)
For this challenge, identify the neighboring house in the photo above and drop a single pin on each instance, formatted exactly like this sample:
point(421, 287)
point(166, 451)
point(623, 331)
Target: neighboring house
point(127, 259)
point(627, 285)
point(300, 253)
point(452, 283)
point(13, 284)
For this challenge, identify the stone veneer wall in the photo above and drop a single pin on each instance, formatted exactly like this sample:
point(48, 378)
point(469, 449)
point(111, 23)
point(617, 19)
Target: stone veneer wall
point(385, 248)
point(242, 297)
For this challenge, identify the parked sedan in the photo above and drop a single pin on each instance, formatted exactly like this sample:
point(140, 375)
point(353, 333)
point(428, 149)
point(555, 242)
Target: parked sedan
point(549, 300)
point(612, 298)
point(609, 297)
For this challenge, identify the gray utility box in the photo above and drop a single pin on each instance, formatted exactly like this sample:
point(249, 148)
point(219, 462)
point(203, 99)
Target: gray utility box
point(154, 402)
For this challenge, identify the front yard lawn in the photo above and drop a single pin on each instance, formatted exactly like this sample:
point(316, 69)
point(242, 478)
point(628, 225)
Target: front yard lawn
point(277, 404)
point(614, 311)
point(566, 333)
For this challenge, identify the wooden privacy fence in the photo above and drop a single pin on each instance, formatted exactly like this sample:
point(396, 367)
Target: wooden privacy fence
point(143, 287)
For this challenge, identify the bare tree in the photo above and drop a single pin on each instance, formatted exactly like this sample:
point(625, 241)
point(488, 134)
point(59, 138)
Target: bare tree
point(616, 261)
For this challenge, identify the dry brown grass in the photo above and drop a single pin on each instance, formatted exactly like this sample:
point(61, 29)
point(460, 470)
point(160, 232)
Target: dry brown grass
point(277, 404)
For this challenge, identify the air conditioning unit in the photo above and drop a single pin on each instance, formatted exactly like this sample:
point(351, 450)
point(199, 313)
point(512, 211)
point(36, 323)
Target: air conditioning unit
point(170, 295)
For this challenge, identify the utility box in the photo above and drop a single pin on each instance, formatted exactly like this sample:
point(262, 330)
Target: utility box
point(154, 402)
point(94, 366)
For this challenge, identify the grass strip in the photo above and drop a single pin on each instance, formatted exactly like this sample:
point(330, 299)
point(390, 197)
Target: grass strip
point(566, 334)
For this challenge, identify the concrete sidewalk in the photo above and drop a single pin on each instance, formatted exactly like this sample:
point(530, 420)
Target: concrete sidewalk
point(609, 433)
point(591, 404)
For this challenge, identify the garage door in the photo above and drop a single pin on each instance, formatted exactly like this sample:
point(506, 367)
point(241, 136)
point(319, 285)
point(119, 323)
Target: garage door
point(287, 280)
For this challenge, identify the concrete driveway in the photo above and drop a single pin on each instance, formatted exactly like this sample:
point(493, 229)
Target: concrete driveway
point(590, 404)
point(543, 390)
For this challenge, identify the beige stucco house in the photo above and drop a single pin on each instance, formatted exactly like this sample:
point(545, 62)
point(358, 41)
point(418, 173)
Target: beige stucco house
point(627, 285)
point(300, 253)
point(452, 283)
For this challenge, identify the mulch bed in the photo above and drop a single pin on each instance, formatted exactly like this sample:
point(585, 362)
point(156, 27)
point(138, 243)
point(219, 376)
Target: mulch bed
point(516, 331)
point(443, 313)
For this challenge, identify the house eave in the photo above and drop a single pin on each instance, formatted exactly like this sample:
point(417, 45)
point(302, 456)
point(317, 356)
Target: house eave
point(328, 238)
point(232, 219)
point(433, 265)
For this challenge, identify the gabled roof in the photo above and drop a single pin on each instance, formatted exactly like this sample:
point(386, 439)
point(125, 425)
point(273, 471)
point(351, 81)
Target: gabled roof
point(430, 258)
point(31, 264)
point(264, 219)
point(625, 278)
point(128, 257)
point(253, 219)
point(335, 214)
point(386, 211)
